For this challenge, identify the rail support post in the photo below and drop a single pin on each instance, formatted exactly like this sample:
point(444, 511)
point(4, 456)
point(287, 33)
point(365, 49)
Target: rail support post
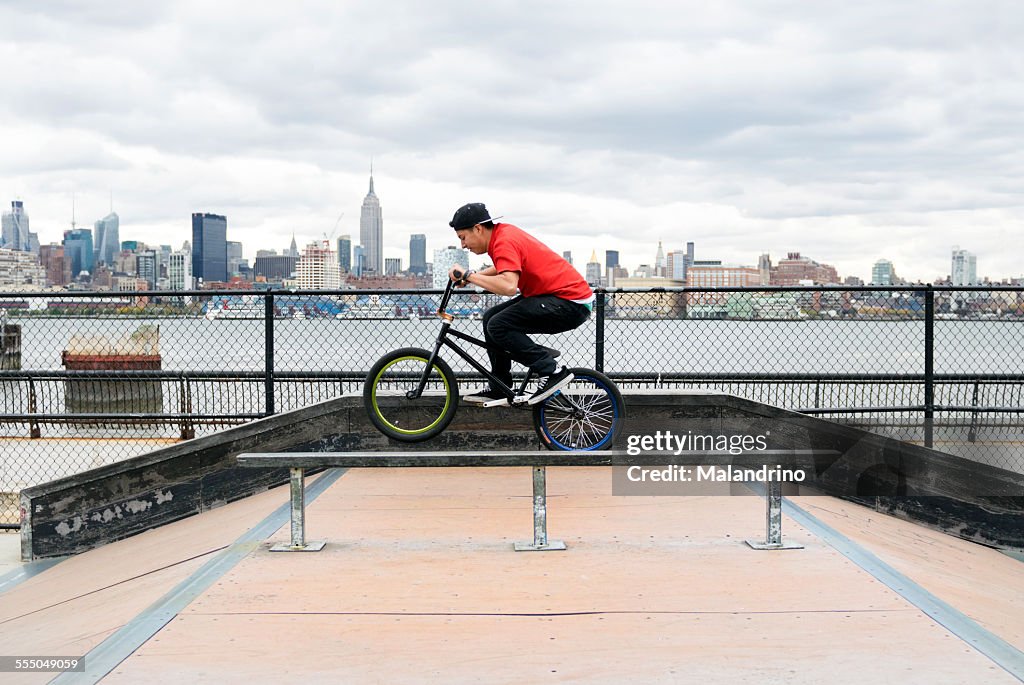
point(540, 518)
point(298, 518)
point(773, 520)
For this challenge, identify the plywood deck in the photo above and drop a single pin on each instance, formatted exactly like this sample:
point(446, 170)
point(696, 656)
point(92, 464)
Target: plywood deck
point(419, 583)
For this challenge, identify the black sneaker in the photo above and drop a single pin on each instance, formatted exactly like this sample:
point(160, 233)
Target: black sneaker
point(487, 398)
point(551, 385)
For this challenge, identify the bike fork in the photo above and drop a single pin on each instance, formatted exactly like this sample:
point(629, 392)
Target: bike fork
point(418, 391)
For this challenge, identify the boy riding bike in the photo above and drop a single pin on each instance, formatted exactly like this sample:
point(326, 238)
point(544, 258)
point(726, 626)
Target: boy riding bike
point(553, 298)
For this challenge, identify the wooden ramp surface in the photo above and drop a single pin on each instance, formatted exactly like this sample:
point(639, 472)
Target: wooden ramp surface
point(418, 583)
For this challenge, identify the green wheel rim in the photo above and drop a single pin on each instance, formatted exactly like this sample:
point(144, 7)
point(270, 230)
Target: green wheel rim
point(417, 431)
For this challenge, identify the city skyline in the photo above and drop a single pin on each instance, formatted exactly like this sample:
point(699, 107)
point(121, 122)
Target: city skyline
point(963, 269)
point(848, 132)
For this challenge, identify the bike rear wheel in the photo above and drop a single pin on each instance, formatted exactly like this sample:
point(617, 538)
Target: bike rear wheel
point(585, 415)
point(393, 412)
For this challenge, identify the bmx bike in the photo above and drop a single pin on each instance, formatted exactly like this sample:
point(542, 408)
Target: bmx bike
point(412, 394)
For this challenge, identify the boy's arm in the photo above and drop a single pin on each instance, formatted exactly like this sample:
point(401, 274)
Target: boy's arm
point(504, 283)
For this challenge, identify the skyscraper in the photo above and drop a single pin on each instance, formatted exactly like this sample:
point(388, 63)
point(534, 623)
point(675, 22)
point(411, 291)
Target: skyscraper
point(358, 261)
point(209, 247)
point(108, 240)
point(179, 270)
point(594, 270)
point(371, 232)
point(15, 228)
point(146, 267)
point(318, 267)
point(78, 250)
point(234, 253)
point(345, 253)
point(444, 260)
point(883, 273)
point(965, 268)
point(418, 254)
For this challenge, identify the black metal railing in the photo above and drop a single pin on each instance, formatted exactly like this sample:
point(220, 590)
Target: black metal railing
point(89, 378)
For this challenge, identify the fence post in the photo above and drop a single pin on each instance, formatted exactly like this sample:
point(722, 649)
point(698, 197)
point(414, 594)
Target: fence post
point(929, 364)
point(599, 334)
point(268, 346)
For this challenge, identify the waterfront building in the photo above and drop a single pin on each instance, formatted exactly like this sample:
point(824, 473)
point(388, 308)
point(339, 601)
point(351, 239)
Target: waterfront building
point(764, 268)
point(418, 254)
point(146, 268)
point(345, 253)
point(883, 273)
point(796, 269)
point(358, 261)
point(444, 260)
point(235, 259)
point(51, 258)
point(19, 268)
point(15, 233)
point(647, 305)
point(714, 274)
point(964, 270)
point(611, 259)
point(108, 240)
point(209, 247)
point(318, 267)
point(179, 270)
point(676, 264)
point(594, 270)
point(371, 232)
point(615, 274)
point(392, 266)
point(274, 267)
point(78, 251)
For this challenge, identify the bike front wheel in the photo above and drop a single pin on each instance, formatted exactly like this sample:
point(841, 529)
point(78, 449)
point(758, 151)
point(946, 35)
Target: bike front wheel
point(386, 395)
point(587, 414)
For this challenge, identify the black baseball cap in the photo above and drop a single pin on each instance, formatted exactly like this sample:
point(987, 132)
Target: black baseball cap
point(469, 215)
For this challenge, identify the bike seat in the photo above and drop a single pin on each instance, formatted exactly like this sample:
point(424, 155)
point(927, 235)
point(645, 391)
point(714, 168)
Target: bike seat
point(552, 351)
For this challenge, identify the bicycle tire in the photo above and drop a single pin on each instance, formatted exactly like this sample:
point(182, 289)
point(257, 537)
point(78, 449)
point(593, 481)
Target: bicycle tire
point(588, 414)
point(393, 413)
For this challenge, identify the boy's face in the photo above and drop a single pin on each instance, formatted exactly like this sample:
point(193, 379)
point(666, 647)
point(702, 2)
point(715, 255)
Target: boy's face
point(474, 239)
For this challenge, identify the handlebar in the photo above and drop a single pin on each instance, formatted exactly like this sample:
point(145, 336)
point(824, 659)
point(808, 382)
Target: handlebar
point(441, 310)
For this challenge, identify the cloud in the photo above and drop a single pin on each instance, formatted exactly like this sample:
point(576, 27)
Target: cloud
point(848, 132)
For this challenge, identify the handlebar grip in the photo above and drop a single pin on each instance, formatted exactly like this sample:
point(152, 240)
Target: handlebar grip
point(458, 275)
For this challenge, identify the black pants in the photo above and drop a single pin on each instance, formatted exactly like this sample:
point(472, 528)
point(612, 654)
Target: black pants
point(506, 326)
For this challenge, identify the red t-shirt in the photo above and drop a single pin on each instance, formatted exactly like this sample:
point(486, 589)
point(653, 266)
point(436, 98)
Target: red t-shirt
point(541, 270)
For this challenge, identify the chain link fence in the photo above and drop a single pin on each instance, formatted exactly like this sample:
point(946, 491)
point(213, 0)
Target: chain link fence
point(88, 379)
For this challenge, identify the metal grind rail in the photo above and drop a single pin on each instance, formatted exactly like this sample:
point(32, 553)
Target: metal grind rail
point(538, 461)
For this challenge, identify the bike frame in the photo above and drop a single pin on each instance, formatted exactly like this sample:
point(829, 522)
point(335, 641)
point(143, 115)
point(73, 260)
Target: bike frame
point(443, 341)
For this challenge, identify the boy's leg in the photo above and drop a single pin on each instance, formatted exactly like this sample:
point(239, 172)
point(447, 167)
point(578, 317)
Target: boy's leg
point(508, 327)
point(501, 362)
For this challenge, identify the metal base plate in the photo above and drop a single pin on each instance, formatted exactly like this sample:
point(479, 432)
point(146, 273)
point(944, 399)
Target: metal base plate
point(314, 546)
point(761, 544)
point(552, 546)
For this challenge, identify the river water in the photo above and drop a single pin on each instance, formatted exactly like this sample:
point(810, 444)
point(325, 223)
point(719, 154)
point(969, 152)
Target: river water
point(825, 347)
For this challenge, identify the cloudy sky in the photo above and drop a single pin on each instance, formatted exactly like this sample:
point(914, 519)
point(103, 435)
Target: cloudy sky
point(846, 131)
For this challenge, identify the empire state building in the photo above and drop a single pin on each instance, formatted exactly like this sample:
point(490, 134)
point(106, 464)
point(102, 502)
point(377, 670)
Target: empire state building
point(371, 233)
